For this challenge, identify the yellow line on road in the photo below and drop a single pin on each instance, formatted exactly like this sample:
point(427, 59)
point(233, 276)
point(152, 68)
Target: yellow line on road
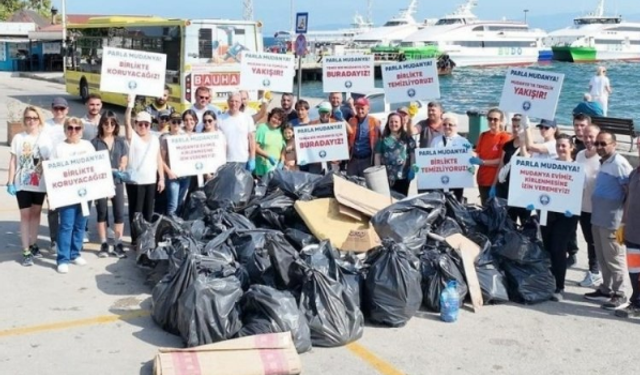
point(104, 319)
point(373, 360)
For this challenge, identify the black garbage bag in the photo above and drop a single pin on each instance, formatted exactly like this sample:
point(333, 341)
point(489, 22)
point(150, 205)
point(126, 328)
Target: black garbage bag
point(392, 287)
point(261, 187)
point(491, 279)
point(268, 310)
point(334, 318)
point(221, 220)
point(448, 227)
point(526, 264)
point(167, 293)
point(352, 268)
point(493, 218)
point(251, 252)
point(299, 239)
point(410, 220)
point(209, 310)
point(438, 267)
point(196, 207)
point(161, 228)
point(295, 184)
point(231, 188)
point(461, 214)
point(282, 257)
point(272, 211)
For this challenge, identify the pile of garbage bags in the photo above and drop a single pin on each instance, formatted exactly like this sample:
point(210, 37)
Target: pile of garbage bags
point(241, 262)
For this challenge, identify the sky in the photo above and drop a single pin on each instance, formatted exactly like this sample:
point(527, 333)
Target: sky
point(330, 14)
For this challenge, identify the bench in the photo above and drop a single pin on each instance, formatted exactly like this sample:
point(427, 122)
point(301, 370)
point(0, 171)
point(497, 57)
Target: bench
point(623, 126)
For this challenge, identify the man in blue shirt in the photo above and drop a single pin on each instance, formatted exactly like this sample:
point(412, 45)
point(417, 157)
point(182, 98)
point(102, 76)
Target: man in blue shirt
point(588, 107)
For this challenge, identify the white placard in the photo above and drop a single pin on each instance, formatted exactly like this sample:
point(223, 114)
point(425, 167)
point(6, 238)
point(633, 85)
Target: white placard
point(78, 179)
point(267, 71)
point(548, 185)
point(411, 80)
point(196, 154)
point(322, 142)
point(444, 168)
point(127, 71)
point(51, 48)
point(532, 93)
point(348, 73)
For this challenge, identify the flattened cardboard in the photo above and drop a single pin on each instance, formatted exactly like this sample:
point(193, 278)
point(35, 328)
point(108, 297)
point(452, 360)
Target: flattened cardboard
point(359, 198)
point(469, 252)
point(270, 354)
point(324, 220)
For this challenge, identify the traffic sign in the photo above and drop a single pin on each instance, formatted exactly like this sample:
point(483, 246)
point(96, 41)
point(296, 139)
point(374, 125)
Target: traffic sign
point(302, 22)
point(301, 45)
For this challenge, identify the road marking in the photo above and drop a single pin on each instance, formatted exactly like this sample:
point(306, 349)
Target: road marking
point(103, 319)
point(373, 360)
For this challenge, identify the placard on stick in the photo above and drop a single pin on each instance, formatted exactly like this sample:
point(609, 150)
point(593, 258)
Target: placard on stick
point(444, 168)
point(127, 71)
point(321, 143)
point(532, 93)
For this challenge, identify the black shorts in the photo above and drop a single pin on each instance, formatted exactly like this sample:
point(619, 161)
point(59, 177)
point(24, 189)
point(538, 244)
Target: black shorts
point(26, 199)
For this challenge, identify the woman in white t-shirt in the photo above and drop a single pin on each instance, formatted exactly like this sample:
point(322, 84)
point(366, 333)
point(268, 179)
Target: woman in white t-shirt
point(25, 182)
point(546, 149)
point(145, 166)
point(600, 88)
point(72, 221)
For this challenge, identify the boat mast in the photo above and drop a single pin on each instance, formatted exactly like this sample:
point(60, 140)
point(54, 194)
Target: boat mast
point(599, 9)
point(370, 12)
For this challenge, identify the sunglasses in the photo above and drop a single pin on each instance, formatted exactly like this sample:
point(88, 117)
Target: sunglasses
point(74, 128)
point(176, 122)
point(208, 121)
point(59, 108)
point(144, 124)
point(31, 118)
point(164, 118)
point(601, 144)
point(448, 124)
point(544, 127)
point(203, 97)
point(109, 123)
point(493, 119)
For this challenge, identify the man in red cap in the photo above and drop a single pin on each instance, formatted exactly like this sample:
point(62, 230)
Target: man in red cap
point(363, 132)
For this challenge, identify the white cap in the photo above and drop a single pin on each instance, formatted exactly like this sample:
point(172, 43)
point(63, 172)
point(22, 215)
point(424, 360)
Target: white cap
point(143, 117)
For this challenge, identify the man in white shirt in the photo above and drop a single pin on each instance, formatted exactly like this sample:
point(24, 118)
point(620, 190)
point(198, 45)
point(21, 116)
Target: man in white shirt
point(203, 104)
point(239, 129)
point(92, 118)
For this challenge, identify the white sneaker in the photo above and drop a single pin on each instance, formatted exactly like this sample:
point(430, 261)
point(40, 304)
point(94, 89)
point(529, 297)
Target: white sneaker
point(85, 239)
point(63, 268)
point(79, 261)
point(591, 280)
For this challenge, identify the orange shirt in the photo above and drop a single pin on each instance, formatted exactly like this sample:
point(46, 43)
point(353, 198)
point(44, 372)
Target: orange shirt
point(490, 147)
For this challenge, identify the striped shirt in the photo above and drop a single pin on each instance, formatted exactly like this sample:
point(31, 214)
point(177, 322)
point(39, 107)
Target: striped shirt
point(609, 192)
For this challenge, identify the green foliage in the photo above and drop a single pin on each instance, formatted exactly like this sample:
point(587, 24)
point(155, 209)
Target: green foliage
point(9, 7)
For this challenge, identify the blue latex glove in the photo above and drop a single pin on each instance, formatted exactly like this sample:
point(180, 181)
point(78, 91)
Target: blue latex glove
point(280, 165)
point(337, 114)
point(492, 192)
point(11, 189)
point(475, 160)
point(411, 174)
point(471, 169)
point(467, 145)
point(415, 168)
point(272, 160)
point(568, 213)
point(530, 207)
point(251, 165)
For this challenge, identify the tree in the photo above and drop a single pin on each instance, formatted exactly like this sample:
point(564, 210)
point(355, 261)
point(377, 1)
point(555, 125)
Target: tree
point(9, 7)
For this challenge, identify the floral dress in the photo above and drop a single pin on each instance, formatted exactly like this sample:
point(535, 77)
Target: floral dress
point(395, 155)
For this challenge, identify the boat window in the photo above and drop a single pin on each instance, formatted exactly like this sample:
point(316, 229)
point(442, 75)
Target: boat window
point(508, 28)
point(635, 42)
point(608, 41)
point(626, 28)
point(500, 43)
point(395, 23)
point(595, 20)
point(479, 28)
point(448, 21)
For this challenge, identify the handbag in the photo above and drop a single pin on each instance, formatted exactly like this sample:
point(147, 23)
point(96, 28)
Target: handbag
point(503, 173)
point(130, 175)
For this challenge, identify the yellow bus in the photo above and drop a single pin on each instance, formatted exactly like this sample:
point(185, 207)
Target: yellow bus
point(205, 52)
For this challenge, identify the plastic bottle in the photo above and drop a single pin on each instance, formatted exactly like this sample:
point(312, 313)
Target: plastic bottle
point(449, 303)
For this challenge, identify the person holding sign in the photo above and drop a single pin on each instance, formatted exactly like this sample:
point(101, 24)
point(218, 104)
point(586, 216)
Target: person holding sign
point(607, 203)
point(489, 150)
point(556, 234)
point(109, 140)
point(546, 149)
point(144, 169)
point(430, 127)
point(72, 220)
point(363, 133)
point(25, 182)
point(451, 139)
point(396, 151)
point(210, 126)
point(270, 143)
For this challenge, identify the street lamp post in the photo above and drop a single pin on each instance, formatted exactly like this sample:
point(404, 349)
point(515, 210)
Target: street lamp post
point(525, 15)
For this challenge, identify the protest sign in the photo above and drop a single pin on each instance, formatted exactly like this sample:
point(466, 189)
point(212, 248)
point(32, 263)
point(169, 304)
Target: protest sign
point(531, 93)
point(322, 142)
point(548, 185)
point(127, 71)
point(410, 80)
point(348, 73)
point(196, 154)
point(78, 179)
point(444, 168)
point(267, 71)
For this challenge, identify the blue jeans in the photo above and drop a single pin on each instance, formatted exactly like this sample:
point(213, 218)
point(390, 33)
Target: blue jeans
point(176, 193)
point(70, 233)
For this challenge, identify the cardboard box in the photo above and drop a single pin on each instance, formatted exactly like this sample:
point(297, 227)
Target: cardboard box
point(359, 198)
point(270, 354)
